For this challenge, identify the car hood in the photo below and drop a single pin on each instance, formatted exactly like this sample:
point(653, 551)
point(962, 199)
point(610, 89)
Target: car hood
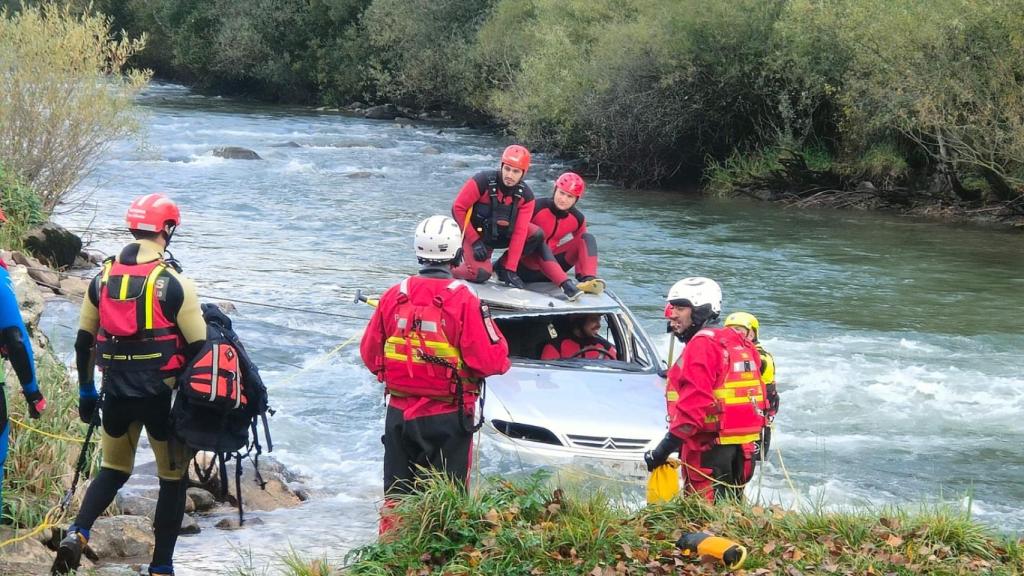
point(598, 403)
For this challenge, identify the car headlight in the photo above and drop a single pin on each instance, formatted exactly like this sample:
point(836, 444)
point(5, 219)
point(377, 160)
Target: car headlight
point(526, 432)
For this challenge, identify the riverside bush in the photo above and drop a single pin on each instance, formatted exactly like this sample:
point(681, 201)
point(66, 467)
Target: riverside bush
point(65, 96)
point(531, 527)
point(23, 208)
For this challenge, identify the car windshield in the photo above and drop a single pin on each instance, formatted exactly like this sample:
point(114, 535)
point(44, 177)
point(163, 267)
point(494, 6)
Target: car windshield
point(604, 340)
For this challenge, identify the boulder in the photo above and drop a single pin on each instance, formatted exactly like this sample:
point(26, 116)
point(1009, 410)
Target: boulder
point(360, 174)
point(39, 272)
point(121, 537)
point(288, 144)
point(74, 286)
point(430, 150)
point(54, 244)
point(30, 299)
point(189, 526)
point(201, 499)
point(23, 557)
point(236, 153)
point(460, 164)
point(277, 493)
point(231, 523)
point(382, 112)
point(136, 505)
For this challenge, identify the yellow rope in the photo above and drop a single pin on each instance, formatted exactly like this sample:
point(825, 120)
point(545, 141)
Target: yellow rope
point(51, 520)
point(319, 360)
point(21, 424)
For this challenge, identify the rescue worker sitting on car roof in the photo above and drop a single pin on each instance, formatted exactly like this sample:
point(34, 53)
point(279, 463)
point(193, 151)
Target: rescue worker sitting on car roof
point(583, 340)
point(566, 242)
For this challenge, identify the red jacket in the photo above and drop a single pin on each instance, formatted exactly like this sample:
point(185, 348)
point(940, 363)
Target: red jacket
point(565, 348)
point(468, 328)
point(692, 381)
point(475, 194)
point(557, 224)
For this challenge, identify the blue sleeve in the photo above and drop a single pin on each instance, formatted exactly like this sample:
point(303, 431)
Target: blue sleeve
point(10, 316)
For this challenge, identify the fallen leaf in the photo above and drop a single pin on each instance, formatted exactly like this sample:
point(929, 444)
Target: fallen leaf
point(627, 551)
point(768, 548)
point(894, 540)
point(492, 517)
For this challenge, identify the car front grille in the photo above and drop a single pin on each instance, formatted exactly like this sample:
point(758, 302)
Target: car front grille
point(607, 443)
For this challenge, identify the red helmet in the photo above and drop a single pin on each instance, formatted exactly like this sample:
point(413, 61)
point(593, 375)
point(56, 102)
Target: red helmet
point(571, 183)
point(152, 212)
point(516, 156)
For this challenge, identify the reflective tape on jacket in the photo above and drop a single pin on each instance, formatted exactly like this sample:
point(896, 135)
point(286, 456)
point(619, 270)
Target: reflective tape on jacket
point(134, 334)
point(740, 392)
point(419, 358)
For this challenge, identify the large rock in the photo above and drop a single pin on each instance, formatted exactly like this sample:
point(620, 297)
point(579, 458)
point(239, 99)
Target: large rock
point(236, 153)
point(382, 112)
point(30, 299)
point(30, 556)
point(54, 244)
point(74, 286)
point(189, 526)
point(39, 272)
point(121, 537)
point(278, 493)
point(136, 505)
point(201, 499)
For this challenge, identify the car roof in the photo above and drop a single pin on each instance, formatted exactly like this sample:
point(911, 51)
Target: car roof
point(542, 298)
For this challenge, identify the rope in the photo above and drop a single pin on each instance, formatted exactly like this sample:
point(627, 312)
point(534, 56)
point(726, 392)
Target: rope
point(52, 519)
point(280, 307)
point(21, 424)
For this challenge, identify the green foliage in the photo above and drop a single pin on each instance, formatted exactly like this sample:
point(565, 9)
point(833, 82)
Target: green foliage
point(65, 96)
point(23, 208)
point(39, 468)
point(530, 527)
point(422, 51)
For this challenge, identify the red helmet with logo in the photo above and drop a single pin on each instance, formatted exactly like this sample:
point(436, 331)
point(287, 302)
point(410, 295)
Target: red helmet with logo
point(516, 156)
point(152, 212)
point(571, 183)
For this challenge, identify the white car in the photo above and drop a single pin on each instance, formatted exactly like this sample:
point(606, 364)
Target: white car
point(588, 412)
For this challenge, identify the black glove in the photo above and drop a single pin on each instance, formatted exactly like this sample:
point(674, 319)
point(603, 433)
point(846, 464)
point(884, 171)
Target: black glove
point(480, 251)
point(513, 279)
point(773, 400)
point(87, 407)
point(668, 446)
point(36, 403)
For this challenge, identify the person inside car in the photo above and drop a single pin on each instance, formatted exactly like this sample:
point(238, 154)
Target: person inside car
point(581, 340)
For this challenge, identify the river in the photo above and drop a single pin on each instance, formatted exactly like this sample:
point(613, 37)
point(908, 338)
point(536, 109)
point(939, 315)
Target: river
point(898, 341)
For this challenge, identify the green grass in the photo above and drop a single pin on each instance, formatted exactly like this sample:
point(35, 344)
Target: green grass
point(23, 207)
point(40, 468)
point(530, 527)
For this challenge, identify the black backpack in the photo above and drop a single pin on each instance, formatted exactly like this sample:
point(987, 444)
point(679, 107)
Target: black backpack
point(220, 404)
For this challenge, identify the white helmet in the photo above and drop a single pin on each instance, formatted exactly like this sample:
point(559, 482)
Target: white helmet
point(438, 238)
point(702, 294)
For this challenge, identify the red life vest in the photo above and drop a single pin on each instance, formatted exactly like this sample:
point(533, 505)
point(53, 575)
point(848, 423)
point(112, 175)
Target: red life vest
point(134, 334)
point(419, 359)
point(739, 392)
point(567, 347)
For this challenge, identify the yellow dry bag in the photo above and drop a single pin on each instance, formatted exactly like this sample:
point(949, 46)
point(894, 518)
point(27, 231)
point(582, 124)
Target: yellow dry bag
point(663, 484)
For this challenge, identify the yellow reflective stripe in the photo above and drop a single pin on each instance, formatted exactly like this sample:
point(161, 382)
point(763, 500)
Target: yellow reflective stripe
point(150, 282)
point(744, 439)
point(124, 287)
point(748, 382)
point(739, 399)
point(106, 271)
point(417, 360)
point(146, 356)
point(672, 396)
point(440, 349)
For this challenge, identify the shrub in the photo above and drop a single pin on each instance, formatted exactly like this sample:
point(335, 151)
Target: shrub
point(65, 96)
point(23, 209)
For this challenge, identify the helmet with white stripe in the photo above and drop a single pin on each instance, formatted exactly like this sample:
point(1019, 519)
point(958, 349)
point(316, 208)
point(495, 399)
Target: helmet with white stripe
point(438, 239)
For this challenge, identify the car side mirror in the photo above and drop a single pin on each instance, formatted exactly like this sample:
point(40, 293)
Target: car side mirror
point(663, 372)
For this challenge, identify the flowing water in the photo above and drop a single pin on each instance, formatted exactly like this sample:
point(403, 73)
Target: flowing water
point(898, 341)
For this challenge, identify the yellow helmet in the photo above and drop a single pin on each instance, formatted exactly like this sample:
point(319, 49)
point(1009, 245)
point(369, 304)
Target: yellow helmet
point(745, 320)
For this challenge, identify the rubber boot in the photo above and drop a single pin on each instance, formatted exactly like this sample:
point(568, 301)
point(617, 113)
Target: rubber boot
point(69, 554)
point(572, 293)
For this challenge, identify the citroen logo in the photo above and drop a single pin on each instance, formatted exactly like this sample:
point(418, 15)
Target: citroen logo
point(609, 444)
